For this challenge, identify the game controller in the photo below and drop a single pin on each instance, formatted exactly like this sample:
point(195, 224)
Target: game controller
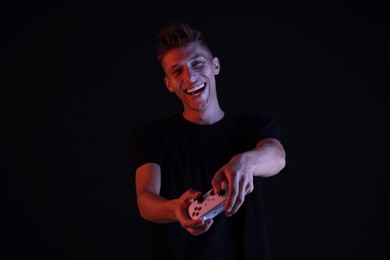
point(209, 205)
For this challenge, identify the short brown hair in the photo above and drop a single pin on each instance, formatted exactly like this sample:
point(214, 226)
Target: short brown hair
point(178, 35)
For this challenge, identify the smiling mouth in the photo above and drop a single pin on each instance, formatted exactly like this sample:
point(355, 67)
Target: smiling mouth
point(195, 90)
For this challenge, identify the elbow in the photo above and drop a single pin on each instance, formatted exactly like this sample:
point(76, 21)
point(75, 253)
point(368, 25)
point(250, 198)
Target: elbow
point(143, 215)
point(278, 162)
point(281, 164)
point(141, 210)
point(276, 167)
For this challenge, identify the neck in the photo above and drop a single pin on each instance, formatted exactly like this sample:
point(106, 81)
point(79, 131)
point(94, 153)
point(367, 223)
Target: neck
point(206, 117)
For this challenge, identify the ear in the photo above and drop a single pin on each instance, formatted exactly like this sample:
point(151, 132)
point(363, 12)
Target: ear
point(166, 81)
point(217, 66)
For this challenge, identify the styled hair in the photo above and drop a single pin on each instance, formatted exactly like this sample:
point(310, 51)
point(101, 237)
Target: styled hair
point(178, 35)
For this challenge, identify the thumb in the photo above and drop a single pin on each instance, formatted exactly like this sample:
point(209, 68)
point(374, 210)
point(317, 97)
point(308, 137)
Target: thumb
point(193, 194)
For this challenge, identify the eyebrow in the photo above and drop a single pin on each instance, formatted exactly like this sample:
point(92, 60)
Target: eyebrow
point(171, 69)
point(191, 59)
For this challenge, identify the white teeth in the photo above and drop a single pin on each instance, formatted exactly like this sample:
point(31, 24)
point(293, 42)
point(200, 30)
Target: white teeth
point(189, 91)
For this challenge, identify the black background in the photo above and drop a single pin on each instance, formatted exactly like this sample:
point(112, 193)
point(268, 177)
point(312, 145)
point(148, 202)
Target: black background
point(79, 76)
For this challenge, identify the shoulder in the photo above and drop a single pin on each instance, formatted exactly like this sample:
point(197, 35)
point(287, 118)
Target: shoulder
point(157, 126)
point(248, 117)
point(260, 125)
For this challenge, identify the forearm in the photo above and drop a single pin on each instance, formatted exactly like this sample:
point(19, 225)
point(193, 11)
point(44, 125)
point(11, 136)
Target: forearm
point(155, 208)
point(267, 159)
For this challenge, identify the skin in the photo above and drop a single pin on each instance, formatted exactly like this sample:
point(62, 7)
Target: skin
point(187, 68)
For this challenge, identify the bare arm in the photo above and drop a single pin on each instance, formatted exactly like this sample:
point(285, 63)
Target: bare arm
point(152, 206)
point(156, 208)
point(265, 160)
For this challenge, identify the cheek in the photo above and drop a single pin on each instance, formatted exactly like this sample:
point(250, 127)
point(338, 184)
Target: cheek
point(209, 72)
point(174, 86)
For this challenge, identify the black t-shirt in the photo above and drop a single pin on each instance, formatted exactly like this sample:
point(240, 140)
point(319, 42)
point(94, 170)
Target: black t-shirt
point(189, 155)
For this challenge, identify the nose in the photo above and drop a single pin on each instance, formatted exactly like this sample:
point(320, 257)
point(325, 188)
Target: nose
point(189, 74)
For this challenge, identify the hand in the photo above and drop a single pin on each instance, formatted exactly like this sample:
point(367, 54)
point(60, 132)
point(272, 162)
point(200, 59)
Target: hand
point(240, 182)
point(195, 227)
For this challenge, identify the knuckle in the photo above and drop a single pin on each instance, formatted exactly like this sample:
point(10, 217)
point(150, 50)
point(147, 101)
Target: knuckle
point(234, 193)
point(250, 188)
point(239, 200)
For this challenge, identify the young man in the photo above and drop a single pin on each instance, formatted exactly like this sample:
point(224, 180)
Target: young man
point(179, 158)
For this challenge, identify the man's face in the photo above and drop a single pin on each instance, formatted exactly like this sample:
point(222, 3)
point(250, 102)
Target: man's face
point(190, 73)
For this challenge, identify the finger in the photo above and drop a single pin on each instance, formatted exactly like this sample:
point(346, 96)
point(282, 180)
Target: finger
point(192, 224)
point(232, 196)
point(189, 197)
point(185, 201)
point(245, 189)
point(201, 229)
point(237, 203)
point(216, 181)
point(193, 194)
point(249, 188)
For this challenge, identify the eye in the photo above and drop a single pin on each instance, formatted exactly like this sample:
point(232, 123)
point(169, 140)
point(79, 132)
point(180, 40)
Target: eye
point(177, 71)
point(197, 63)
